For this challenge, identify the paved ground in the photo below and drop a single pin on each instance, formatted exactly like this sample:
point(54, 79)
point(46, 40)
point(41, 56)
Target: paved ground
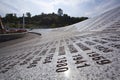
point(27, 37)
point(76, 52)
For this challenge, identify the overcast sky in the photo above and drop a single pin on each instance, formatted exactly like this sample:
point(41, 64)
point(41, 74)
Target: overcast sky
point(76, 8)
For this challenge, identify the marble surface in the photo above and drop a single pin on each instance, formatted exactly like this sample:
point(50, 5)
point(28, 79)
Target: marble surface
point(89, 50)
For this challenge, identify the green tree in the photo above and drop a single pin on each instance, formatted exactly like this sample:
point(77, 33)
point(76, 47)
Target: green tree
point(60, 12)
point(28, 14)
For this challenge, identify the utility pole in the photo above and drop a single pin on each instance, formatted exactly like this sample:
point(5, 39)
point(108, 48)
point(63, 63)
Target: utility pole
point(23, 21)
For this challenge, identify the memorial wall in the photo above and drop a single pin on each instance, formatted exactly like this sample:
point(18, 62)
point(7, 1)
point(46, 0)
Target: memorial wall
point(89, 50)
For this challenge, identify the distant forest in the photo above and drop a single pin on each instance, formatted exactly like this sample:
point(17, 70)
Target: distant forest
point(43, 20)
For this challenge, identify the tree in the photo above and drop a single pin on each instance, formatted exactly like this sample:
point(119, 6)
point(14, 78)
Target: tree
point(28, 14)
point(42, 20)
point(60, 12)
point(11, 18)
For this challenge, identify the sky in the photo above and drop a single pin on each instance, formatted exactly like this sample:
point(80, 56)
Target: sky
point(75, 8)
